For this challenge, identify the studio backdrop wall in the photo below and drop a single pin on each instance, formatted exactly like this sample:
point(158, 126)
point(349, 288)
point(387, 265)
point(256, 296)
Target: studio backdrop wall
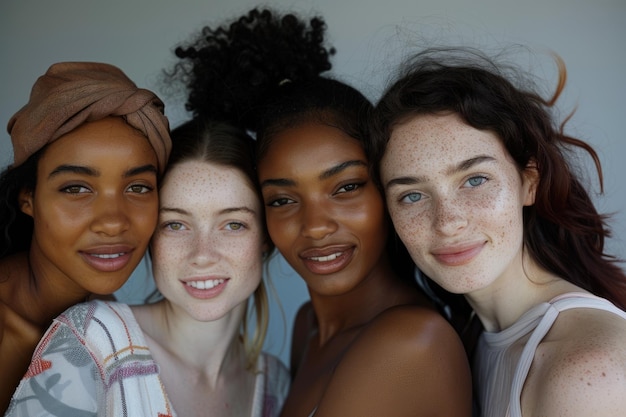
point(370, 37)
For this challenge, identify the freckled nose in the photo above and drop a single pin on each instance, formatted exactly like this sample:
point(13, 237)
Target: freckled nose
point(204, 249)
point(449, 217)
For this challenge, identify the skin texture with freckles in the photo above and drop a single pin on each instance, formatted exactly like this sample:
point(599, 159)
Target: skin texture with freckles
point(94, 211)
point(366, 340)
point(207, 254)
point(456, 200)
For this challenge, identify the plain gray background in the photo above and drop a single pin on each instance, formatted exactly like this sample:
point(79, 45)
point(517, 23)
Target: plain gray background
point(370, 38)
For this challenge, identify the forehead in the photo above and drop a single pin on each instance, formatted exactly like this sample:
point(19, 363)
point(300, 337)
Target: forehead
point(311, 143)
point(203, 181)
point(432, 140)
point(107, 139)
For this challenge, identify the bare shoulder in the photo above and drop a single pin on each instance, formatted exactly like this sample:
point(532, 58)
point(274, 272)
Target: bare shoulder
point(409, 361)
point(580, 368)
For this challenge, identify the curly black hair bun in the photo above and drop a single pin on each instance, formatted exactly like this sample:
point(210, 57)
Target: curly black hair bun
point(231, 70)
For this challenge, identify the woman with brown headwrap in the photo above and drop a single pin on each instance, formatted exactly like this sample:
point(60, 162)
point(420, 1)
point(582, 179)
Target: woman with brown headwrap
point(79, 203)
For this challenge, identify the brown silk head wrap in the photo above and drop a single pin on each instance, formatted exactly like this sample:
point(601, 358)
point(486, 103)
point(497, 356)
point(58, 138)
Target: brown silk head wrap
point(72, 93)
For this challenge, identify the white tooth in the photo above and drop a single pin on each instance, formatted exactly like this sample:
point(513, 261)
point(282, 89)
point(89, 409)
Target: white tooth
point(107, 256)
point(205, 285)
point(331, 257)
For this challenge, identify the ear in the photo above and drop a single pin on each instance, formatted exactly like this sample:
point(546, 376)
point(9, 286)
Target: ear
point(530, 181)
point(25, 200)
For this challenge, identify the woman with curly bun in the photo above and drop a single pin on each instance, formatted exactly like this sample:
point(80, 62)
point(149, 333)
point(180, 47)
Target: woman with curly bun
point(368, 343)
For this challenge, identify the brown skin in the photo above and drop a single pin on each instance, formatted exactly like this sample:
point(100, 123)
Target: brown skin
point(111, 209)
point(366, 344)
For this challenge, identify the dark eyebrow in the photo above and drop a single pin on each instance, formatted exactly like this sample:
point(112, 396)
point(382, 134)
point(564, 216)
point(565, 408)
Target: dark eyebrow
point(340, 167)
point(140, 170)
point(278, 183)
point(460, 167)
point(82, 170)
point(75, 169)
point(324, 175)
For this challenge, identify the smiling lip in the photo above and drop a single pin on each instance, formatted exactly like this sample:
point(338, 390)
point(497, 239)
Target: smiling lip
point(328, 260)
point(108, 258)
point(205, 287)
point(459, 254)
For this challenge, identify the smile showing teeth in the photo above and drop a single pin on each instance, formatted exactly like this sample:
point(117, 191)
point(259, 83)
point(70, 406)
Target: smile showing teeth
point(205, 285)
point(107, 255)
point(331, 257)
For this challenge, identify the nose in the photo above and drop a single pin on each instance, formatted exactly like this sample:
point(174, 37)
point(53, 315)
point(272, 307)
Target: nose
point(317, 222)
point(110, 216)
point(450, 218)
point(205, 249)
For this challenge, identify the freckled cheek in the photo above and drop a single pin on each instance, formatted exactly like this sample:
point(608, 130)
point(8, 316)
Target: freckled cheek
point(413, 230)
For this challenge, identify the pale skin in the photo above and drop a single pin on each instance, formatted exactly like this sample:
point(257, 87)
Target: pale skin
point(456, 199)
point(209, 234)
point(94, 210)
point(366, 344)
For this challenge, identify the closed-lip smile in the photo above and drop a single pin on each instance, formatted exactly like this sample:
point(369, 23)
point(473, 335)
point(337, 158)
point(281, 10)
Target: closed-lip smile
point(458, 254)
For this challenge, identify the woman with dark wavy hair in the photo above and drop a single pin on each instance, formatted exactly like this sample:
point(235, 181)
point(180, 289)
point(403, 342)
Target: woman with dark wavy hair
point(481, 191)
point(368, 343)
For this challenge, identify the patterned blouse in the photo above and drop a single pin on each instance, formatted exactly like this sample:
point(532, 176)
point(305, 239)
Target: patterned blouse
point(94, 361)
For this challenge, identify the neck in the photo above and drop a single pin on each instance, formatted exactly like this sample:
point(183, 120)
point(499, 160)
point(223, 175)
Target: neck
point(38, 295)
point(501, 304)
point(210, 347)
point(380, 290)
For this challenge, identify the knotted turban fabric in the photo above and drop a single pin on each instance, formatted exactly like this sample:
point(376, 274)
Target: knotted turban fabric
point(72, 93)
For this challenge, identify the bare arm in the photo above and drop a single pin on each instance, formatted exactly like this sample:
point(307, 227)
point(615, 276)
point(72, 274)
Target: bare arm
point(408, 362)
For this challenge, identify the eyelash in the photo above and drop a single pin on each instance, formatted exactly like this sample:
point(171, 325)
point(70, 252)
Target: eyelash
point(483, 179)
point(240, 226)
point(172, 226)
point(355, 185)
point(278, 202)
point(81, 189)
point(404, 198)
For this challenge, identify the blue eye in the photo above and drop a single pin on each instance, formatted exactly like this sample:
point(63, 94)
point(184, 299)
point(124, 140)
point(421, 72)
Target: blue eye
point(476, 181)
point(411, 198)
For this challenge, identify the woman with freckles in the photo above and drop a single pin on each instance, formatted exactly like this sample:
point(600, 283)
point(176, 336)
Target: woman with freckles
point(481, 193)
point(189, 354)
point(368, 343)
point(79, 201)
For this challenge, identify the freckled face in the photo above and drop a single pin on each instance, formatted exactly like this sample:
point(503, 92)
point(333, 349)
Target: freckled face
point(95, 207)
point(207, 248)
point(324, 213)
point(456, 198)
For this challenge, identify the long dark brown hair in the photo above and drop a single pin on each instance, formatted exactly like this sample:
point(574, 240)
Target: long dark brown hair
point(563, 231)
